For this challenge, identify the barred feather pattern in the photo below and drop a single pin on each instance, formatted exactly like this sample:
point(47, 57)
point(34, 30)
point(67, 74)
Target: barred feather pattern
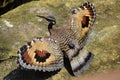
point(46, 54)
point(72, 36)
point(77, 28)
point(41, 54)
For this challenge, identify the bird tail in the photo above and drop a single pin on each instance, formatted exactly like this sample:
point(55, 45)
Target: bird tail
point(81, 62)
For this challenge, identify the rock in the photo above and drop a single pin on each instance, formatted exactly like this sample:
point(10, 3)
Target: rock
point(4, 3)
point(7, 5)
point(21, 25)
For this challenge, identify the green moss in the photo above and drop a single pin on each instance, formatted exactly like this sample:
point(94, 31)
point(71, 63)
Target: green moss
point(104, 42)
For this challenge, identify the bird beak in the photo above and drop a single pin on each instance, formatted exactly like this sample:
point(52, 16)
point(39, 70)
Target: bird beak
point(42, 17)
point(50, 19)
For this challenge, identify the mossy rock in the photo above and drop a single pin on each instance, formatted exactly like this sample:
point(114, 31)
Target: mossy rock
point(21, 25)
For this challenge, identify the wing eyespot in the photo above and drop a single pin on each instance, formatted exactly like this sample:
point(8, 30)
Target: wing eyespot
point(41, 56)
point(85, 21)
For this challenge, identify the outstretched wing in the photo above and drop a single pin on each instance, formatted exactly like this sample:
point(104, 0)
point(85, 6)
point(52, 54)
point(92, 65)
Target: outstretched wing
point(41, 54)
point(81, 23)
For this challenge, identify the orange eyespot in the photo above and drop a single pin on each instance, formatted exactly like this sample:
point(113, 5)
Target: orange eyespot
point(41, 56)
point(85, 21)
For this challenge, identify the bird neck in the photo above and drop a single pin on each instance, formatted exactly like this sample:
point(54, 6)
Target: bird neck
point(50, 27)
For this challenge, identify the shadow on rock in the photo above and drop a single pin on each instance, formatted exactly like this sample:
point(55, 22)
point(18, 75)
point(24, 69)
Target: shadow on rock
point(19, 74)
point(68, 66)
point(10, 4)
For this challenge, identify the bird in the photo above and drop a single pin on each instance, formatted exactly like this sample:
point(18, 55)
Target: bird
point(67, 40)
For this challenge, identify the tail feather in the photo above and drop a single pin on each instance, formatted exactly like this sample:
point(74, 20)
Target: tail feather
point(81, 62)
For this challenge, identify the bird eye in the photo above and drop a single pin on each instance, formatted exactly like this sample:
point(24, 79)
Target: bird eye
point(53, 22)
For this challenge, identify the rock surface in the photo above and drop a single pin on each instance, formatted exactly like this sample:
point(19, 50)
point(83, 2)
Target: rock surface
point(6, 5)
point(21, 25)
